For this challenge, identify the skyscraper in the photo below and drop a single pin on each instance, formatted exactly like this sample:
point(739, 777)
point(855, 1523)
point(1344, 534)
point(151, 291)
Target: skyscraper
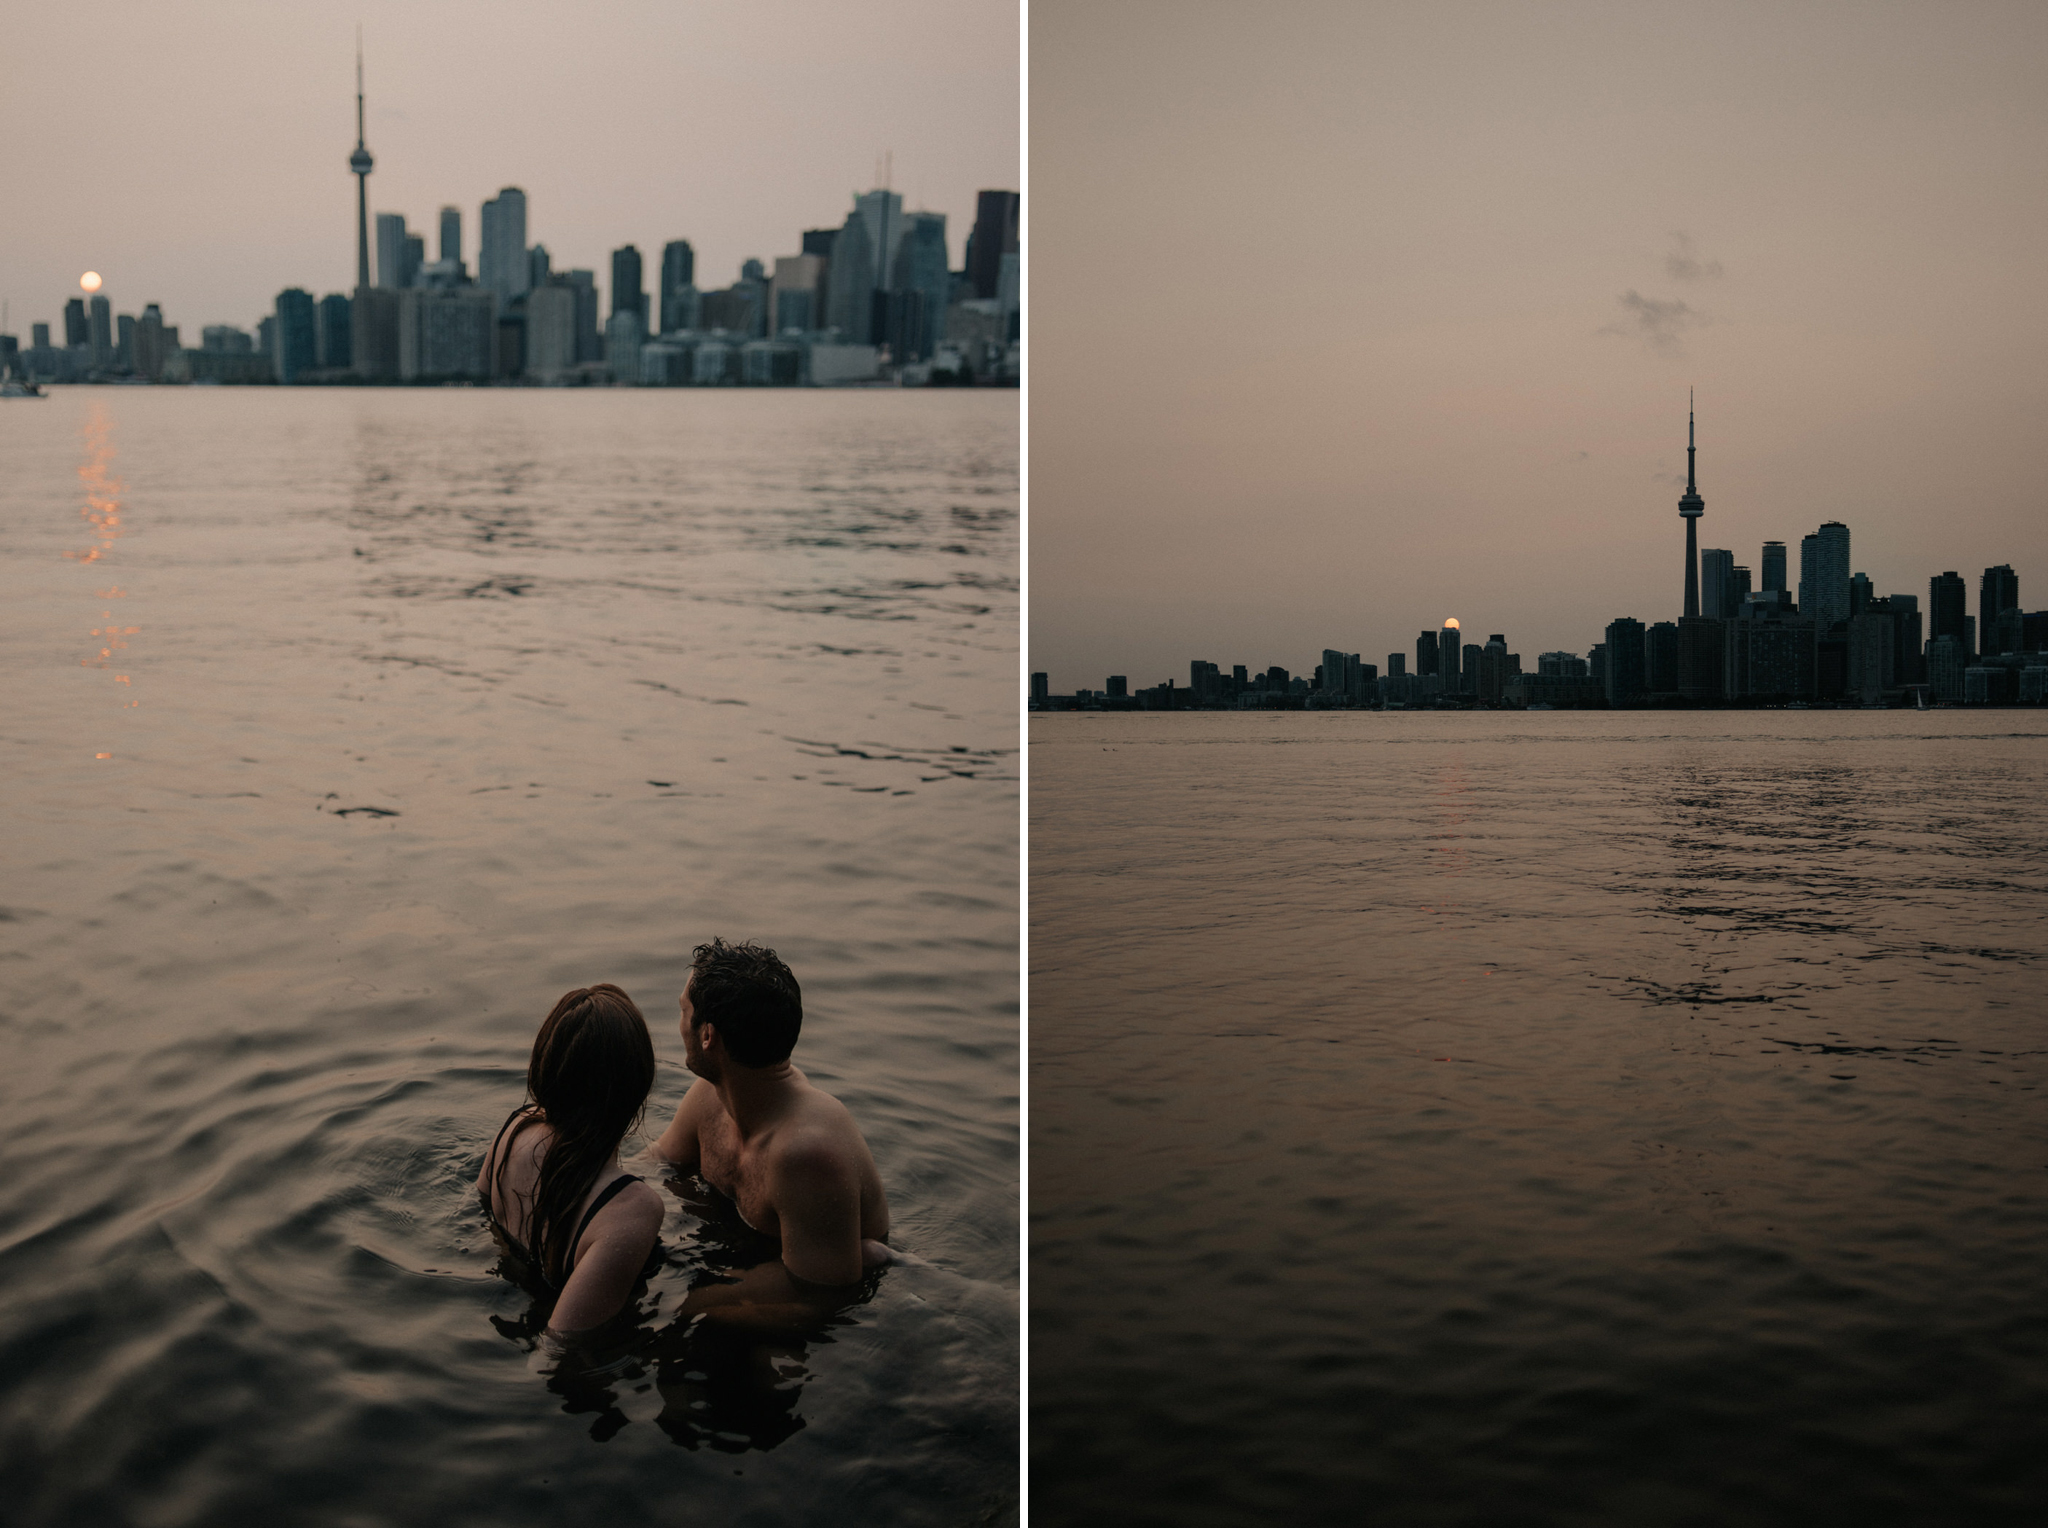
point(1627, 660)
point(678, 285)
point(1717, 583)
point(1426, 661)
point(1948, 600)
point(393, 242)
point(100, 332)
point(76, 331)
point(1692, 506)
point(502, 263)
point(298, 345)
point(850, 282)
point(1998, 591)
point(881, 214)
point(627, 293)
point(921, 268)
point(451, 233)
point(1774, 565)
point(996, 215)
point(1827, 598)
point(1450, 656)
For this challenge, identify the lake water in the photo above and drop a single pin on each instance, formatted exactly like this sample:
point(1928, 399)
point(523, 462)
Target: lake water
point(342, 732)
point(1562, 1118)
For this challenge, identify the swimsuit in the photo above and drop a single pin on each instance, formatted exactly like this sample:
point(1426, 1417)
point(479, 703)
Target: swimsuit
point(518, 1247)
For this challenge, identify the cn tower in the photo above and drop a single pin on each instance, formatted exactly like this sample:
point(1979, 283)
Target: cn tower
point(360, 163)
point(1692, 506)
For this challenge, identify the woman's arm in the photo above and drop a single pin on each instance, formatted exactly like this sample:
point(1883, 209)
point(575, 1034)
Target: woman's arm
point(609, 1260)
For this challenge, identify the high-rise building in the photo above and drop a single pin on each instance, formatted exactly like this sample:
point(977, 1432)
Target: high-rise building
point(415, 257)
point(153, 344)
point(502, 264)
point(589, 346)
point(447, 332)
point(1691, 507)
point(39, 336)
point(1626, 660)
point(1426, 660)
point(76, 330)
point(1824, 575)
point(1038, 687)
point(798, 292)
point(1860, 594)
point(881, 215)
point(678, 285)
point(624, 333)
point(295, 335)
point(451, 234)
point(100, 332)
point(1397, 663)
point(1450, 657)
point(1660, 649)
point(1998, 591)
point(1774, 565)
point(394, 268)
point(996, 216)
point(334, 333)
point(628, 296)
point(1717, 583)
point(921, 268)
point(1909, 662)
point(850, 283)
point(537, 267)
point(1948, 609)
point(818, 241)
point(124, 342)
point(551, 331)
point(1702, 658)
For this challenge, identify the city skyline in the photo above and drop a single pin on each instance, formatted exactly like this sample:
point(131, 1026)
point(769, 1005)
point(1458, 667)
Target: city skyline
point(1411, 339)
point(207, 205)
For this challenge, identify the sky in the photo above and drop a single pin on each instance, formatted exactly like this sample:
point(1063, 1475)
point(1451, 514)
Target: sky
point(196, 155)
point(1348, 318)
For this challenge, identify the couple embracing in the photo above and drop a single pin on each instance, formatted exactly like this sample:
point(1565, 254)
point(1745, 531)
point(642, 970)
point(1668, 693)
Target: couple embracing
point(787, 1155)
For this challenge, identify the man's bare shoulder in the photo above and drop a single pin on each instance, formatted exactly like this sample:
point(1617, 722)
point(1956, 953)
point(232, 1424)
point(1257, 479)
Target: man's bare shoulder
point(819, 1132)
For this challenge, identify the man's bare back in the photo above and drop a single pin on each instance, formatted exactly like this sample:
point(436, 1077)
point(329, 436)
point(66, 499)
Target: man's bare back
point(787, 1154)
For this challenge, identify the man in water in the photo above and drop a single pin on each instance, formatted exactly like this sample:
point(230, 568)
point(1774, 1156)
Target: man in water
point(787, 1155)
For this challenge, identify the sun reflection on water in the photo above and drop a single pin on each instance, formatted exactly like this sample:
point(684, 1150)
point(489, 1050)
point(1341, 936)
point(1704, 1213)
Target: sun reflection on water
point(102, 511)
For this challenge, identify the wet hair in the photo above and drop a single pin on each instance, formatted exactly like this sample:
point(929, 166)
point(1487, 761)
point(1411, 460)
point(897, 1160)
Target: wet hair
point(591, 1071)
point(752, 998)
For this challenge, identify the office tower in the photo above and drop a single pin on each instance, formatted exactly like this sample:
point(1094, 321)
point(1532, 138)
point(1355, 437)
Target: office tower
point(1660, 650)
point(1824, 575)
point(881, 216)
point(1701, 658)
point(1860, 593)
point(1872, 654)
point(1774, 565)
point(451, 234)
point(297, 346)
point(1741, 592)
point(589, 347)
point(797, 293)
point(551, 331)
point(1468, 669)
point(76, 330)
point(1946, 660)
point(153, 343)
point(1426, 661)
point(996, 215)
point(39, 336)
point(1009, 295)
point(628, 296)
point(1717, 582)
point(334, 333)
point(1449, 656)
point(537, 269)
point(1909, 662)
point(1038, 687)
point(921, 268)
point(1116, 687)
point(447, 332)
point(124, 343)
point(100, 332)
point(219, 339)
point(1691, 507)
point(391, 272)
point(1947, 607)
point(678, 287)
point(850, 283)
point(1997, 592)
point(752, 288)
point(359, 166)
point(502, 264)
point(624, 333)
point(1397, 663)
point(1626, 659)
point(415, 257)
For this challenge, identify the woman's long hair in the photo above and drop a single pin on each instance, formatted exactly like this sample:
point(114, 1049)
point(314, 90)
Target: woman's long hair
point(591, 1071)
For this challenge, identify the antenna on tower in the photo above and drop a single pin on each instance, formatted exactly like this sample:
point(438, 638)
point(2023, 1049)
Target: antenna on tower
point(888, 167)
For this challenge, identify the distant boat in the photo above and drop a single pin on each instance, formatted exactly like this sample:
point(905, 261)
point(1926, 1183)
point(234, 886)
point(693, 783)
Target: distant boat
point(13, 389)
point(1540, 705)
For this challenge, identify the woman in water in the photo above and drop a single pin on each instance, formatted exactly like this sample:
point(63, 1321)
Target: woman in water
point(551, 1184)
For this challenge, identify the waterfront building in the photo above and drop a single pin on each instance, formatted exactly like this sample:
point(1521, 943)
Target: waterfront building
point(374, 341)
point(921, 268)
point(447, 333)
point(1774, 566)
point(538, 270)
point(1909, 661)
point(1450, 657)
point(1690, 507)
point(589, 344)
point(76, 330)
point(628, 295)
point(1701, 657)
point(1947, 610)
point(155, 345)
point(1717, 583)
point(996, 216)
point(295, 335)
point(124, 342)
point(1627, 658)
point(334, 333)
point(1997, 592)
point(503, 265)
point(797, 293)
point(551, 331)
point(222, 339)
point(451, 235)
point(678, 287)
point(394, 273)
point(100, 333)
point(1770, 651)
point(1860, 594)
point(1397, 663)
point(1038, 687)
point(850, 283)
point(624, 333)
point(1425, 654)
point(1872, 653)
point(771, 363)
point(1824, 575)
point(665, 363)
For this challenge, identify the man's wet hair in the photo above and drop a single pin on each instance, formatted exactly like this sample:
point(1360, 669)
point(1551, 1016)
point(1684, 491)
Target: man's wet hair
point(751, 996)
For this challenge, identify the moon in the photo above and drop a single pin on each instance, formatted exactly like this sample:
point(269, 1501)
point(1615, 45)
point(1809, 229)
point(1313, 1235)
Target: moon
point(90, 281)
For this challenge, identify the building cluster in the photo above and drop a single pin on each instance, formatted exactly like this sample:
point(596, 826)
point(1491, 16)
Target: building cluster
point(873, 299)
point(1832, 640)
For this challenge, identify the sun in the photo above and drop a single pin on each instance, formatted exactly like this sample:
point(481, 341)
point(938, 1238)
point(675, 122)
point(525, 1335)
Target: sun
point(90, 281)
point(1450, 620)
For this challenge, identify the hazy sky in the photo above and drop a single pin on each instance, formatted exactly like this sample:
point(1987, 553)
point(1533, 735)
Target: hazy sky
point(196, 155)
point(1346, 318)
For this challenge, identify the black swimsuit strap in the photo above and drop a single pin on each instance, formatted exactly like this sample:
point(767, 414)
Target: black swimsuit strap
point(611, 1189)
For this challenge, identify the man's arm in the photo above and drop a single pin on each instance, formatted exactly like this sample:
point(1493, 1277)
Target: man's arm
point(817, 1198)
point(678, 1145)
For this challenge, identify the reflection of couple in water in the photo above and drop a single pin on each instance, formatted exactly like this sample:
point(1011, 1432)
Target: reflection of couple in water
point(582, 1234)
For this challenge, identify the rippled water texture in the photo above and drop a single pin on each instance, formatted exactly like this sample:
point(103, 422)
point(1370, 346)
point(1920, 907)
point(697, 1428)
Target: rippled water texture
point(343, 731)
point(1570, 1118)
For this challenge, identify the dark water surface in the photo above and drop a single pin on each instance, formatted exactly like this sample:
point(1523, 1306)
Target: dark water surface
point(1570, 1118)
point(342, 731)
